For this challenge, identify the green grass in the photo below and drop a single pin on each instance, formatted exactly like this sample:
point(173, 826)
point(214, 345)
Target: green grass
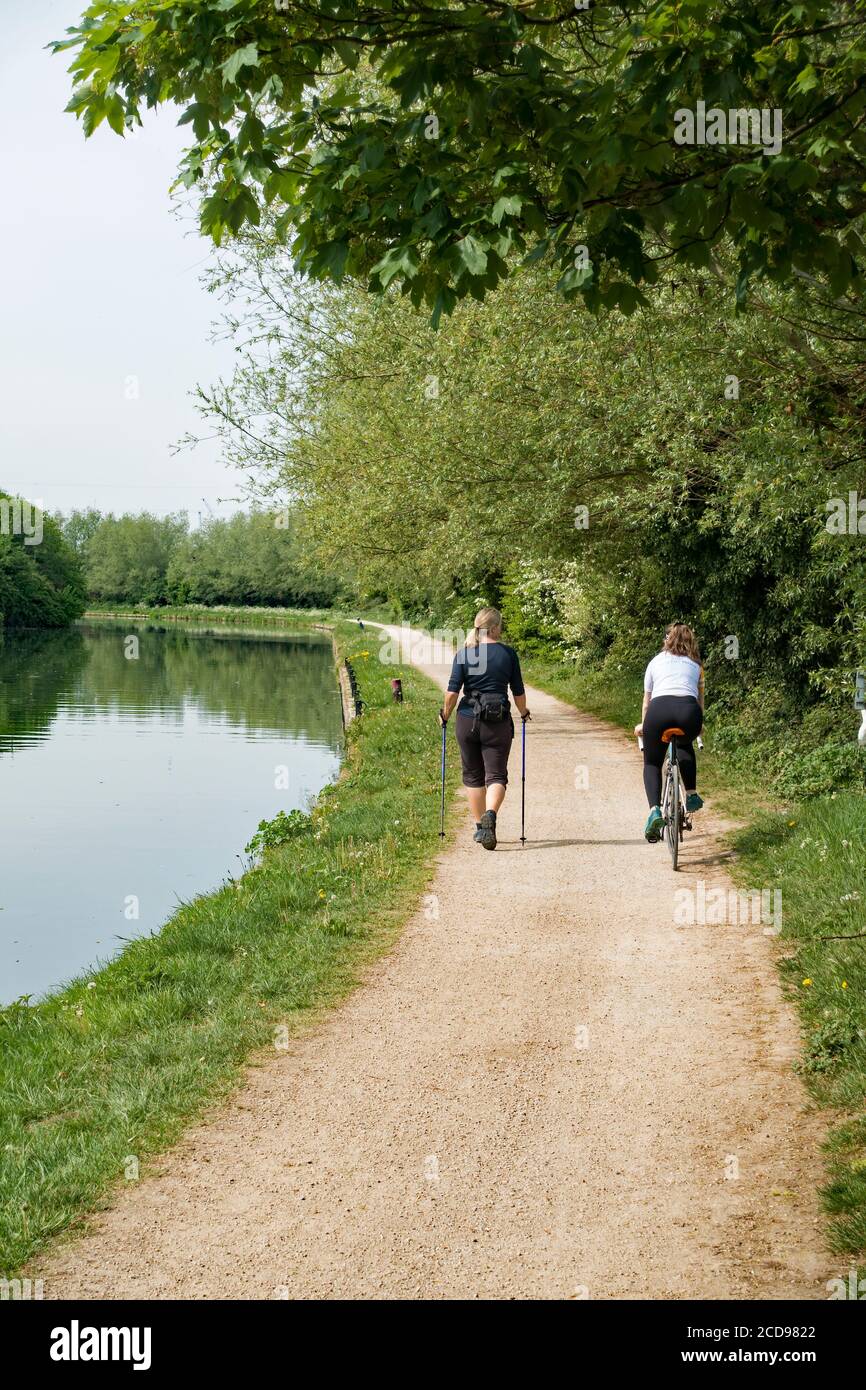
point(221, 613)
point(816, 855)
point(118, 1063)
point(230, 613)
point(814, 851)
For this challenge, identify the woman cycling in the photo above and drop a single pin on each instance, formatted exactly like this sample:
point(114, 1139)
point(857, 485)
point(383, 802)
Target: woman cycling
point(484, 669)
point(673, 699)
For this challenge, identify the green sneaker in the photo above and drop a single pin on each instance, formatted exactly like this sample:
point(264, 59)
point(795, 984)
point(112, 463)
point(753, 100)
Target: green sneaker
point(693, 802)
point(654, 826)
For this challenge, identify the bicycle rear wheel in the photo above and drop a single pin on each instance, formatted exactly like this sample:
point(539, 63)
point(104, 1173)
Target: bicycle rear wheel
point(673, 820)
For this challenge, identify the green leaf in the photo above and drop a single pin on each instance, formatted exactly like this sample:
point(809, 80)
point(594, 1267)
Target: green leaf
point(473, 255)
point(574, 279)
point(372, 155)
point(116, 115)
point(243, 58)
point(445, 303)
point(434, 220)
point(94, 114)
point(806, 80)
point(624, 296)
point(538, 252)
point(347, 52)
point(398, 260)
point(282, 184)
point(698, 253)
point(213, 216)
point(199, 116)
point(506, 207)
point(330, 260)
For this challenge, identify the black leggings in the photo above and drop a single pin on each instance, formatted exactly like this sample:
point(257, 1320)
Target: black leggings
point(670, 712)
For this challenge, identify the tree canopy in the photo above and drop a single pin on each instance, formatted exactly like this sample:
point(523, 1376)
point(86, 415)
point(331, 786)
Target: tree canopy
point(431, 145)
point(41, 583)
point(247, 559)
point(593, 478)
point(127, 557)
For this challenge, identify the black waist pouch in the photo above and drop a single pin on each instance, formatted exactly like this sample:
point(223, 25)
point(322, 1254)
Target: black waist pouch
point(493, 709)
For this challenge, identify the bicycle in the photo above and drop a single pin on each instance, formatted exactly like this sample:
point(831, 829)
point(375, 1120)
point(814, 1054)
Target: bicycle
point(673, 807)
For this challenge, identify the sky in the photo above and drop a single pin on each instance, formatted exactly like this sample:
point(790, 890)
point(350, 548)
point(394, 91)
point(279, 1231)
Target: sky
point(104, 324)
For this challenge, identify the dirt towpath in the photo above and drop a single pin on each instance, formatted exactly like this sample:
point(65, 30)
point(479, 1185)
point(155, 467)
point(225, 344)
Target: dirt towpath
point(548, 1089)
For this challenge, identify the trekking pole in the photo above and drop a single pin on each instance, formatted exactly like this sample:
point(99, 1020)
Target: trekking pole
point(523, 789)
point(442, 804)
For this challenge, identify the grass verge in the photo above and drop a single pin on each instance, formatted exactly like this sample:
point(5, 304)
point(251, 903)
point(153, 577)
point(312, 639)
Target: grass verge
point(814, 852)
point(113, 1067)
point(218, 614)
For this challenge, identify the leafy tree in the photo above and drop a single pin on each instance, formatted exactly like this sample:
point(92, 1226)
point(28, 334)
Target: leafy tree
point(247, 559)
point(430, 146)
point(41, 583)
point(78, 528)
point(128, 557)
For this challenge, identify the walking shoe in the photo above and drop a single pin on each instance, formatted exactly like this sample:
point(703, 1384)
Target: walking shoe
point(477, 836)
point(487, 833)
point(693, 802)
point(654, 826)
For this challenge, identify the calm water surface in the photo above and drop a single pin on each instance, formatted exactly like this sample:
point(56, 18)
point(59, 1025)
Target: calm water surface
point(125, 777)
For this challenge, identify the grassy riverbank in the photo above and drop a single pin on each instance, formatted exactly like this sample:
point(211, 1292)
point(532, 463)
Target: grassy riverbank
point(814, 851)
point(98, 1078)
point(220, 614)
point(198, 613)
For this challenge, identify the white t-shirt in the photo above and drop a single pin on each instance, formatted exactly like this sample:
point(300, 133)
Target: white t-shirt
point(668, 674)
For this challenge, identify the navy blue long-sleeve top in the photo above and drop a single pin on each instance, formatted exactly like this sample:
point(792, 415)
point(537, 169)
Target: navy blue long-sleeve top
point(486, 669)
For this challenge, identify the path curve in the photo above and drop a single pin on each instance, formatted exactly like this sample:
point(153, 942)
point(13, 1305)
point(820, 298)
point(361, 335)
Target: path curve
point(545, 1090)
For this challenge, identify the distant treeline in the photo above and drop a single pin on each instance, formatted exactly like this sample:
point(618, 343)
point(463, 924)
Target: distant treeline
point(250, 558)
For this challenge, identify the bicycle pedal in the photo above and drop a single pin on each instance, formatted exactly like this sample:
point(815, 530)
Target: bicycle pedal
point(687, 825)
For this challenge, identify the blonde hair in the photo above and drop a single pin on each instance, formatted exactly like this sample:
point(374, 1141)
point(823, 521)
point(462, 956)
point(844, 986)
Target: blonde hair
point(487, 620)
point(681, 641)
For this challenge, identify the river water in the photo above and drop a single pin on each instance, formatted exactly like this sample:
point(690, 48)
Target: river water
point(136, 761)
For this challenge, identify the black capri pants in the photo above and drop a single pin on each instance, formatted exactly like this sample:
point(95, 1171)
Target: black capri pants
point(670, 712)
point(484, 749)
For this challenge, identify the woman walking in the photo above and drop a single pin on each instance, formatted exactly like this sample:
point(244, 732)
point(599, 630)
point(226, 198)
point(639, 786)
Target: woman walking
point(673, 699)
point(484, 669)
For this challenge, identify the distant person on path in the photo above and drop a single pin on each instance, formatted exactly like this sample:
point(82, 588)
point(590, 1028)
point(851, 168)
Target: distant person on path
point(673, 699)
point(484, 669)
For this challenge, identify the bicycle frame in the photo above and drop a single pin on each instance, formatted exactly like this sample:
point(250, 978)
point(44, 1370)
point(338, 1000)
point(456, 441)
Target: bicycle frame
point(673, 802)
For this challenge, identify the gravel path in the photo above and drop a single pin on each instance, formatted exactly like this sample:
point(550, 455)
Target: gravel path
point(548, 1089)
